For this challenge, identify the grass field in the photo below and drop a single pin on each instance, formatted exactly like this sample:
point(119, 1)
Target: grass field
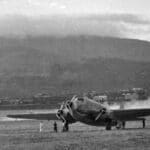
point(25, 135)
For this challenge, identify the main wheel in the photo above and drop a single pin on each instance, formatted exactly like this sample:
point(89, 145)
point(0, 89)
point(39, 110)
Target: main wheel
point(65, 127)
point(108, 125)
point(120, 125)
point(123, 124)
point(143, 123)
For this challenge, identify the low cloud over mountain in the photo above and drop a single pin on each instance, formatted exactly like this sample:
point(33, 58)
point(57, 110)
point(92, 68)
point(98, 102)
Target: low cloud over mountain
point(113, 25)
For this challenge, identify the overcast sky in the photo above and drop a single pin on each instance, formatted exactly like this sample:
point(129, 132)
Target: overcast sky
point(120, 18)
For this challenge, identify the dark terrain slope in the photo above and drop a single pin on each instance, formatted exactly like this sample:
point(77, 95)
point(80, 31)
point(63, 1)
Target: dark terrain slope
point(72, 64)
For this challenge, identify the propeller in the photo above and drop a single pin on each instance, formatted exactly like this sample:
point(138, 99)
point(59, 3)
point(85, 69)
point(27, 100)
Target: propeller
point(60, 112)
point(59, 115)
point(69, 106)
point(62, 105)
point(73, 97)
point(102, 111)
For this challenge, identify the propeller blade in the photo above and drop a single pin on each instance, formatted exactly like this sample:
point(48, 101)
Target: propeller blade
point(59, 114)
point(62, 105)
point(98, 116)
point(103, 111)
point(73, 97)
point(62, 117)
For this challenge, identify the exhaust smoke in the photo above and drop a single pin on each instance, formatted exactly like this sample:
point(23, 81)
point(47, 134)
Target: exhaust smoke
point(133, 104)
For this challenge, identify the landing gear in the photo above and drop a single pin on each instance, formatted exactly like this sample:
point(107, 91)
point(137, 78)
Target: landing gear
point(108, 125)
point(143, 121)
point(65, 127)
point(121, 125)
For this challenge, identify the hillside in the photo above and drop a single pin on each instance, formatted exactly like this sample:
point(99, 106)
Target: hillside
point(77, 47)
point(98, 74)
point(72, 64)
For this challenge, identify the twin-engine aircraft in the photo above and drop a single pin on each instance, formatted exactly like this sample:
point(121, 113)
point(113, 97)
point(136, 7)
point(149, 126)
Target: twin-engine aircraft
point(90, 112)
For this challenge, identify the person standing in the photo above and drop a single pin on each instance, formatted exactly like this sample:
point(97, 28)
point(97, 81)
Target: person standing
point(55, 126)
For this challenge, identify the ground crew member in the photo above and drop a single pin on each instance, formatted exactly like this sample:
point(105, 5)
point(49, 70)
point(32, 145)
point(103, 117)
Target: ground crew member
point(55, 126)
point(41, 126)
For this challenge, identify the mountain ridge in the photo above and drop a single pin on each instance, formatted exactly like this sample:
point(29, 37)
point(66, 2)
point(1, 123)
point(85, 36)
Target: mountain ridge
point(72, 65)
point(84, 46)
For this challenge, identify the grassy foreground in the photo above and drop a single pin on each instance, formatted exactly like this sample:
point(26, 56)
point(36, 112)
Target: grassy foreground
point(25, 135)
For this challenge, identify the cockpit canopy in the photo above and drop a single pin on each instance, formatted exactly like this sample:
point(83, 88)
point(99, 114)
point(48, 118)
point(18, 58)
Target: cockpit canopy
point(80, 99)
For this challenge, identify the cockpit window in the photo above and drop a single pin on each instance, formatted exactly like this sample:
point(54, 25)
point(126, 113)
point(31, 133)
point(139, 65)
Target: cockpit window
point(81, 99)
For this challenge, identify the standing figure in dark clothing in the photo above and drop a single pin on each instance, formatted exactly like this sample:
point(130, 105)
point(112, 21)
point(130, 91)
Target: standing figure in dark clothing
point(55, 126)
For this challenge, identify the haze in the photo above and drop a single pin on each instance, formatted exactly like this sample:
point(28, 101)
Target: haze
point(117, 18)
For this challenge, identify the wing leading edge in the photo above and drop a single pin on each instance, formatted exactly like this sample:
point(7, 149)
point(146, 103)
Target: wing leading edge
point(37, 116)
point(130, 114)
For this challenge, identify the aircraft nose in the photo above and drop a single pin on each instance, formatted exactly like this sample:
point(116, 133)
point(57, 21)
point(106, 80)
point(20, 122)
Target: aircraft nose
point(59, 113)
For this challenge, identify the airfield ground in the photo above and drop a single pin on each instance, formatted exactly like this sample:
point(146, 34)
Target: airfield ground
point(25, 135)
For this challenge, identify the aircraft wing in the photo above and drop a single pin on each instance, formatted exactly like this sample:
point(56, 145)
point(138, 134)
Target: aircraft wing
point(36, 116)
point(130, 114)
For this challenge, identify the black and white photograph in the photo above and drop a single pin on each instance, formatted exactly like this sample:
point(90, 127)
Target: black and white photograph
point(74, 75)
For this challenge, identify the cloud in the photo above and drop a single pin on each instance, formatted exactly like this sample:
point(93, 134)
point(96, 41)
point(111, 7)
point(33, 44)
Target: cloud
point(123, 25)
point(32, 7)
point(128, 18)
point(57, 5)
point(115, 25)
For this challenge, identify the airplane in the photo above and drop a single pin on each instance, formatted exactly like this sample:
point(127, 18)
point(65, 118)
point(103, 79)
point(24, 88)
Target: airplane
point(90, 112)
